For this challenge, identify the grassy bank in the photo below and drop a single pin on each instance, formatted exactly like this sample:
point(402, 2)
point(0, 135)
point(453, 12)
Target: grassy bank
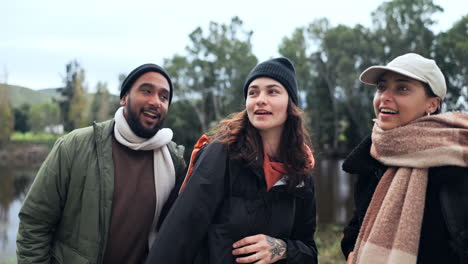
point(8, 261)
point(31, 137)
point(26, 149)
point(328, 238)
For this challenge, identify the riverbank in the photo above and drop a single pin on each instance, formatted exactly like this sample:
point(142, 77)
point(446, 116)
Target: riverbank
point(328, 239)
point(21, 154)
point(19, 162)
point(8, 261)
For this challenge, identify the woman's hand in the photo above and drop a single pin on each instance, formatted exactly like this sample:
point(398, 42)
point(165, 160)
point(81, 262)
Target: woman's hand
point(262, 249)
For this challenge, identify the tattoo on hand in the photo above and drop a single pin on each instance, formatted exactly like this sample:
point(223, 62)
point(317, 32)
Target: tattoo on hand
point(278, 247)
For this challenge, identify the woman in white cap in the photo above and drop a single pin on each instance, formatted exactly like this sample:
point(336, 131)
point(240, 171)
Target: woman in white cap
point(411, 194)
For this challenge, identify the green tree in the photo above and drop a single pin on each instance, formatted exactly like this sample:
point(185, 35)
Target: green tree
point(210, 77)
point(43, 115)
point(340, 112)
point(451, 54)
point(100, 106)
point(318, 104)
point(403, 26)
point(115, 100)
point(330, 59)
point(296, 49)
point(344, 53)
point(184, 123)
point(73, 103)
point(22, 118)
point(6, 115)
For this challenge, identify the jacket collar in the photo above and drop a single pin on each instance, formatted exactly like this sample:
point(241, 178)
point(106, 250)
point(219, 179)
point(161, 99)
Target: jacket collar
point(104, 130)
point(302, 190)
point(359, 161)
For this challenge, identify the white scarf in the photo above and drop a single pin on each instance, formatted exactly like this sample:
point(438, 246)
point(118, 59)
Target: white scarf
point(164, 172)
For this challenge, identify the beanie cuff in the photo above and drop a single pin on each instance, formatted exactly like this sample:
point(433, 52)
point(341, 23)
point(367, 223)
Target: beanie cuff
point(279, 69)
point(139, 71)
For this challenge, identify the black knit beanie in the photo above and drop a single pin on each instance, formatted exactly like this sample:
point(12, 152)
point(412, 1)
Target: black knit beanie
point(279, 69)
point(136, 73)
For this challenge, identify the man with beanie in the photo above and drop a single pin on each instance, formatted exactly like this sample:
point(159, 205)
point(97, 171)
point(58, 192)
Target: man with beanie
point(102, 192)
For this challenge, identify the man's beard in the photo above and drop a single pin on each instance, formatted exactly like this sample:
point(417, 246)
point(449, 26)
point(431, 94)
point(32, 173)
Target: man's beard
point(138, 128)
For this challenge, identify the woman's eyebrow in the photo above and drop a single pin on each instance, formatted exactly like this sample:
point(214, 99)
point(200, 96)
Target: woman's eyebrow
point(273, 85)
point(403, 80)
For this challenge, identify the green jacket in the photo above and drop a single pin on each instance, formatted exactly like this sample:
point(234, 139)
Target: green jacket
point(66, 214)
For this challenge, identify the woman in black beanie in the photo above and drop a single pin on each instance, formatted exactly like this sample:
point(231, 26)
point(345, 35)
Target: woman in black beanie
point(250, 197)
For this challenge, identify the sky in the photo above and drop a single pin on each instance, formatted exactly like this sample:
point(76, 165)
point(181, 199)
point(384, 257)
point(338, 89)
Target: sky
point(107, 38)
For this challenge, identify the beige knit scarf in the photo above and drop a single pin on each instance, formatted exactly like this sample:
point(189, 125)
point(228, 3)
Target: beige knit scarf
point(391, 229)
point(164, 172)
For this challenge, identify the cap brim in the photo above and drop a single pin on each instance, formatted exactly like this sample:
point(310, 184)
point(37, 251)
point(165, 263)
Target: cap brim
point(372, 74)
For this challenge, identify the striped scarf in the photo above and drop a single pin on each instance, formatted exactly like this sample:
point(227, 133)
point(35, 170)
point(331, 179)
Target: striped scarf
point(391, 229)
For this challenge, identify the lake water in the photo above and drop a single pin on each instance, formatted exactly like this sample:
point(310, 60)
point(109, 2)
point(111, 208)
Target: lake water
point(333, 190)
point(14, 183)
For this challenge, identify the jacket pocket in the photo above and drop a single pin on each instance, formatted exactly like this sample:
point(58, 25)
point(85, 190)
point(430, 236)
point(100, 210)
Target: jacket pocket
point(64, 254)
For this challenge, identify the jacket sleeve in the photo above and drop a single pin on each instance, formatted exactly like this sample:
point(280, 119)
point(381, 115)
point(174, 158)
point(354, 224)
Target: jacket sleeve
point(301, 246)
point(350, 234)
point(42, 207)
point(453, 196)
point(363, 191)
point(186, 224)
point(351, 231)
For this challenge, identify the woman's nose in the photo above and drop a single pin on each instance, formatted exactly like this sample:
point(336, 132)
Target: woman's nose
point(261, 99)
point(386, 94)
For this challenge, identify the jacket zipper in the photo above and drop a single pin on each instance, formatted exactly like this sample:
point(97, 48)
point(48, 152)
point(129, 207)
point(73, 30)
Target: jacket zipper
point(101, 195)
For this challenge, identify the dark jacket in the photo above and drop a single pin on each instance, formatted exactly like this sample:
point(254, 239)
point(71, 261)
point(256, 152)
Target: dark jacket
point(66, 215)
point(225, 202)
point(444, 232)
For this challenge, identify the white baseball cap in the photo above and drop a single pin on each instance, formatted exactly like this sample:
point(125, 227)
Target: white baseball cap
point(411, 65)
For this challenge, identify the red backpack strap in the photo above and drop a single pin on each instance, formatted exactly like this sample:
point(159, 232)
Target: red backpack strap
point(202, 141)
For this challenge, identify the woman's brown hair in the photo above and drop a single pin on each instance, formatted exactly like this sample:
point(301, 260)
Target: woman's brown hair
point(244, 143)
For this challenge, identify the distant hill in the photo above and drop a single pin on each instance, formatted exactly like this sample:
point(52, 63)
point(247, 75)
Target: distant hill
point(51, 91)
point(21, 95)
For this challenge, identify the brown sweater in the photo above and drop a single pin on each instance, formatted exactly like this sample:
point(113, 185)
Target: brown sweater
point(133, 205)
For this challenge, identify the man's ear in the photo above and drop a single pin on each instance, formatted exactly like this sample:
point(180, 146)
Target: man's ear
point(123, 100)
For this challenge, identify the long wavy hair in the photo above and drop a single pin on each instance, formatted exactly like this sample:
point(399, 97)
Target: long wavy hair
point(243, 142)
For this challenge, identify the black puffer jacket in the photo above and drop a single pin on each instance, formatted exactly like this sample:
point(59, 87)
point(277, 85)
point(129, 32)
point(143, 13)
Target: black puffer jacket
point(444, 233)
point(225, 202)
